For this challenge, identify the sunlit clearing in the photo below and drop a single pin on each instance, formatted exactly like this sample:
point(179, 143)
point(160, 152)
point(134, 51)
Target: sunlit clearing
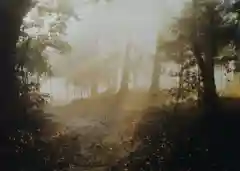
point(110, 41)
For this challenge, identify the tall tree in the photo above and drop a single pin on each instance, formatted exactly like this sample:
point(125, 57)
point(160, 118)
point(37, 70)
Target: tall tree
point(12, 13)
point(154, 87)
point(156, 72)
point(204, 29)
point(125, 72)
point(32, 46)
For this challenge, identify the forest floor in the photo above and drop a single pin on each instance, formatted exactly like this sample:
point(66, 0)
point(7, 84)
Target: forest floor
point(108, 121)
point(113, 130)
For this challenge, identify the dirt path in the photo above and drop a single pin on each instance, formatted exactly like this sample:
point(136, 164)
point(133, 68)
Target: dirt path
point(103, 137)
point(105, 125)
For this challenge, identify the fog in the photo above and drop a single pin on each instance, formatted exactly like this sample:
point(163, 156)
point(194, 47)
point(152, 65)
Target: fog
point(108, 27)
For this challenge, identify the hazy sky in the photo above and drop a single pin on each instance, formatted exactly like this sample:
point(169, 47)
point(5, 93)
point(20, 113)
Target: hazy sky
point(110, 26)
point(107, 27)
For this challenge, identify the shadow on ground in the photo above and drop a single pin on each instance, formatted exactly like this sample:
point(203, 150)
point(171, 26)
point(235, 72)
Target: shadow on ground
point(164, 138)
point(31, 142)
point(187, 140)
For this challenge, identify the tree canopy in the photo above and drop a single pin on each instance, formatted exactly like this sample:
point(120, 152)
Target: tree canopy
point(38, 35)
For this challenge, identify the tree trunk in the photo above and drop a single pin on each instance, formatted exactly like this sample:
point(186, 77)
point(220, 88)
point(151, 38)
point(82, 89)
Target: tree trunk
point(94, 89)
point(9, 106)
point(9, 32)
point(209, 87)
point(11, 15)
point(124, 81)
point(125, 74)
point(135, 79)
point(154, 88)
point(209, 94)
point(204, 48)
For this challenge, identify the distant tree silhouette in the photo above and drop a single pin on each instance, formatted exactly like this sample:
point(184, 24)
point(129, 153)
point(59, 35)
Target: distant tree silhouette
point(204, 29)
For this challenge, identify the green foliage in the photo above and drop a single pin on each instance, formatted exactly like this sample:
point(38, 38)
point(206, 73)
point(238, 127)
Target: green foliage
point(31, 48)
point(30, 147)
point(203, 32)
point(193, 22)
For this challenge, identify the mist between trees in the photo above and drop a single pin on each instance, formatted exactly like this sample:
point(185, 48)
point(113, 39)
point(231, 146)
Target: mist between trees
point(160, 93)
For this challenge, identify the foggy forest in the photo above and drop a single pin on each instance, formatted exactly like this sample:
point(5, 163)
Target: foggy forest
point(120, 85)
